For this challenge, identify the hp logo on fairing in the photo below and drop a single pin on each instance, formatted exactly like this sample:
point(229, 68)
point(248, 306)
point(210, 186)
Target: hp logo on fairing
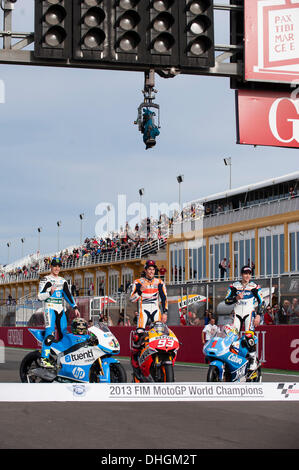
point(78, 373)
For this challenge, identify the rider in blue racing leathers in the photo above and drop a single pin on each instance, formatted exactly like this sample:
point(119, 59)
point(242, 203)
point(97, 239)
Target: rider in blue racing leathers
point(52, 290)
point(244, 294)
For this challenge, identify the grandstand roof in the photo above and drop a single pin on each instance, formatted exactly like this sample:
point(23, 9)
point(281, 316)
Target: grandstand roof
point(247, 188)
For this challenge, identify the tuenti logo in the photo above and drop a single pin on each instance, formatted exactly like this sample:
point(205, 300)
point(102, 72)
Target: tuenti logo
point(86, 355)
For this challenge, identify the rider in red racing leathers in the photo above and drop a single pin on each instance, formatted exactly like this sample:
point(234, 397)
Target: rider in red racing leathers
point(147, 290)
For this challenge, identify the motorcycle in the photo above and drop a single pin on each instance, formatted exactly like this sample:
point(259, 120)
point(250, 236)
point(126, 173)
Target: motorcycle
point(76, 358)
point(158, 355)
point(228, 359)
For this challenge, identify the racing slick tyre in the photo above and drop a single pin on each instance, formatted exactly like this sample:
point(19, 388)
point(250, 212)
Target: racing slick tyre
point(29, 362)
point(117, 373)
point(167, 373)
point(213, 374)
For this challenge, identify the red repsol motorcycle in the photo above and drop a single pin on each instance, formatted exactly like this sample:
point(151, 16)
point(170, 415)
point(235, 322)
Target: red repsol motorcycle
point(157, 355)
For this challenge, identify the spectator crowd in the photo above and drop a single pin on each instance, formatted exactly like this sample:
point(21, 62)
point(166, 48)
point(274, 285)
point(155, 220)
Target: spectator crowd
point(93, 249)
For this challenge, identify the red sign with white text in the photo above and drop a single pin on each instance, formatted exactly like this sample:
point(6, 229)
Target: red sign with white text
point(268, 118)
point(272, 40)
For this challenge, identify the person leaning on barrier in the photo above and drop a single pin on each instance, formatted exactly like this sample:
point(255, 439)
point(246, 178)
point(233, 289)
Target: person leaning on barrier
point(210, 330)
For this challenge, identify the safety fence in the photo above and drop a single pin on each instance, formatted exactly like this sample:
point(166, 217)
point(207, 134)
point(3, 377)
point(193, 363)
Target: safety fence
point(188, 304)
point(277, 348)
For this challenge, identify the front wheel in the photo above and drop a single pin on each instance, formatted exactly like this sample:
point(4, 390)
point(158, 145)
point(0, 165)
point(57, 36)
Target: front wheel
point(162, 373)
point(117, 373)
point(31, 361)
point(167, 373)
point(213, 374)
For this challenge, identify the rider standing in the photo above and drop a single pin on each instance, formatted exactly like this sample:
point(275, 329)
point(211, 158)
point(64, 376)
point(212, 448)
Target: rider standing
point(147, 290)
point(52, 290)
point(243, 294)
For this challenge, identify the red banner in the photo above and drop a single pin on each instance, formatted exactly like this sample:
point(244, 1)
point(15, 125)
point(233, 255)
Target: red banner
point(278, 346)
point(268, 118)
point(272, 40)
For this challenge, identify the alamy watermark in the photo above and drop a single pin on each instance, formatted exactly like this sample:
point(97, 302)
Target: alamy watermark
point(159, 220)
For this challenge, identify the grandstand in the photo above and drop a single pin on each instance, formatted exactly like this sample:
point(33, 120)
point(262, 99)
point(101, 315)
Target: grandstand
point(256, 224)
point(98, 266)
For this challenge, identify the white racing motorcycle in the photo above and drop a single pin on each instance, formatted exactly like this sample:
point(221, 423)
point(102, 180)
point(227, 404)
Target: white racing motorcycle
point(76, 358)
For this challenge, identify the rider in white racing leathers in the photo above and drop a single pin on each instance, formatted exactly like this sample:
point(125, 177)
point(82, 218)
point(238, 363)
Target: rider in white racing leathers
point(244, 294)
point(52, 290)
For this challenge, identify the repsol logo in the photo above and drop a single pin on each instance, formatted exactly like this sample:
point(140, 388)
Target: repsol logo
point(80, 356)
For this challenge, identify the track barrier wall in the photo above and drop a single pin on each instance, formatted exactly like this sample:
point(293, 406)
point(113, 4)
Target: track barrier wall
point(278, 346)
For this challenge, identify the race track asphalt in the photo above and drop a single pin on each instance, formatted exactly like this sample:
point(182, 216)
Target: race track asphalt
point(150, 425)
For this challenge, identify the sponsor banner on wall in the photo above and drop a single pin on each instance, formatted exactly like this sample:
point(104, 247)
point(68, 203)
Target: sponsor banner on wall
point(272, 40)
point(268, 118)
point(183, 391)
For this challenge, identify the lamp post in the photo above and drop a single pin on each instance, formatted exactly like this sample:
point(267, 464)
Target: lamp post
point(228, 162)
point(180, 179)
point(81, 217)
point(22, 247)
point(141, 193)
point(39, 229)
point(58, 229)
point(8, 246)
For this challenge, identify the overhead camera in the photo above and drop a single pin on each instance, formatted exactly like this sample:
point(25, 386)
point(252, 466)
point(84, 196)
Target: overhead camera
point(8, 4)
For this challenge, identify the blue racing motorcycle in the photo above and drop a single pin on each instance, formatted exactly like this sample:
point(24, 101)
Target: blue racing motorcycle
point(77, 358)
point(228, 359)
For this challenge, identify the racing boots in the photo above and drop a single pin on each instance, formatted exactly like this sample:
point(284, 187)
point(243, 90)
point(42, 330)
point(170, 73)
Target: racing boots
point(45, 362)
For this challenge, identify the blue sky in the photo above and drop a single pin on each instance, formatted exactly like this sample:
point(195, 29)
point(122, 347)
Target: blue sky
point(68, 143)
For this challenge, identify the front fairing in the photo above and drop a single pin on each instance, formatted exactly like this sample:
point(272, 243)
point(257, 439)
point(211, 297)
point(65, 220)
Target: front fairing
point(157, 344)
point(218, 346)
point(218, 350)
point(107, 342)
point(75, 354)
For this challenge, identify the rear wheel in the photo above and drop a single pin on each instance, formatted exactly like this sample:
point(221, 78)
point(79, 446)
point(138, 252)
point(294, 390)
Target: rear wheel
point(31, 361)
point(213, 374)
